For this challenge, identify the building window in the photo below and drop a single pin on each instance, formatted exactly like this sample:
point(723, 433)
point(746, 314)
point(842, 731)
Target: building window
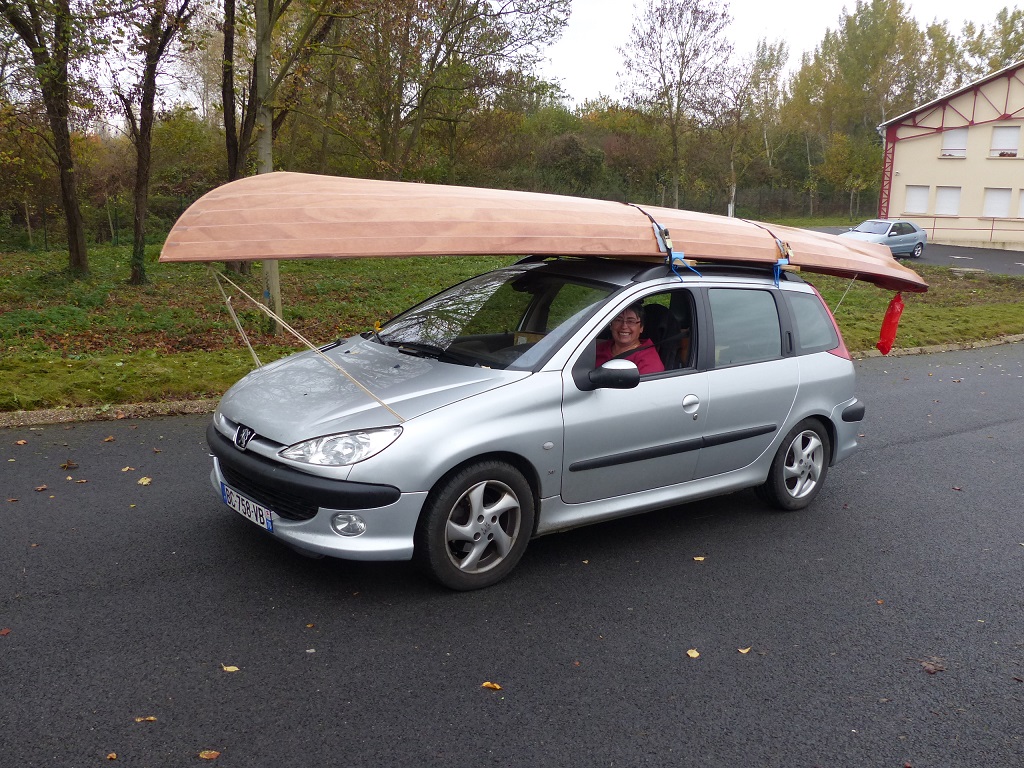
point(1020, 213)
point(917, 199)
point(954, 142)
point(947, 201)
point(1005, 141)
point(997, 203)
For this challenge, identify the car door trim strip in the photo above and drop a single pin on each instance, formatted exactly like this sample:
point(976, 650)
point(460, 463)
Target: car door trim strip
point(671, 449)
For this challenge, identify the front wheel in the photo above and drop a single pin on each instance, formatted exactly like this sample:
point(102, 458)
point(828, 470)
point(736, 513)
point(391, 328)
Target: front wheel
point(475, 526)
point(918, 250)
point(799, 468)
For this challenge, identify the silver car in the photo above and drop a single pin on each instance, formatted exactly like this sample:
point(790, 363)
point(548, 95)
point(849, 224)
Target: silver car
point(479, 419)
point(902, 237)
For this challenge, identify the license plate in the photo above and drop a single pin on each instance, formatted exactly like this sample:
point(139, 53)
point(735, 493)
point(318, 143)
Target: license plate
point(248, 508)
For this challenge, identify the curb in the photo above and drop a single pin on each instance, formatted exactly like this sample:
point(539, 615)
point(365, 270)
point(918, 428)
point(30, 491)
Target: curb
point(105, 413)
point(185, 407)
point(907, 351)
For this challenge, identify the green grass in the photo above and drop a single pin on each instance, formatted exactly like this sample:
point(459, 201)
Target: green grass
point(99, 341)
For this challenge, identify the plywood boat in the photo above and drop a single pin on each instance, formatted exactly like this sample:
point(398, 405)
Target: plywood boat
point(303, 216)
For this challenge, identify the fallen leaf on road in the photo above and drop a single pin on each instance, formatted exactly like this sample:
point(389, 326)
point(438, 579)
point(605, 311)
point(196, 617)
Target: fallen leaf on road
point(41, 488)
point(12, 499)
point(157, 450)
point(957, 488)
point(932, 664)
point(68, 465)
point(127, 469)
point(21, 442)
point(491, 686)
point(145, 481)
point(120, 415)
point(699, 559)
point(69, 477)
point(147, 719)
point(108, 439)
point(229, 667)
point(112, 756)
point(81, 481)
point(209, 754)
point(5, 631)
point(692, 653)
point(745, 650)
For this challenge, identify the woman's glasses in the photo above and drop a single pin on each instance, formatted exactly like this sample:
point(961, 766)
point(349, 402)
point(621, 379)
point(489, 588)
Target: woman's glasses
point(626, 321)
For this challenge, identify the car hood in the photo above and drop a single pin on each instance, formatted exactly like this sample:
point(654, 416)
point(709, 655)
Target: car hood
point(304, 396)
point(867, 237)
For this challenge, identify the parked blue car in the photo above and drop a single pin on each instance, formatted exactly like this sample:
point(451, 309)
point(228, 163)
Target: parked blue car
point(902, 236)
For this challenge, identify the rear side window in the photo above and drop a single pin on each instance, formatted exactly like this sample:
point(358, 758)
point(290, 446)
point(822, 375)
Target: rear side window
point(745, 324)
point(814, 329)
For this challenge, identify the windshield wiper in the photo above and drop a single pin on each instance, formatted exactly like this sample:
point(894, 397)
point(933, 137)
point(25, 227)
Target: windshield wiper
point(418, 349)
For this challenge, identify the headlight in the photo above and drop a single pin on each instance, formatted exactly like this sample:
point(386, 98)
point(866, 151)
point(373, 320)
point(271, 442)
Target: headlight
point(342, 450)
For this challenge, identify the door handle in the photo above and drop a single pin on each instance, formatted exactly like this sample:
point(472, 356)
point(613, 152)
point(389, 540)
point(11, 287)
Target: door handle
point(690, 404)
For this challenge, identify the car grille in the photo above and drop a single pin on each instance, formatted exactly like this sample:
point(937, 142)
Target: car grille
point(285, 506)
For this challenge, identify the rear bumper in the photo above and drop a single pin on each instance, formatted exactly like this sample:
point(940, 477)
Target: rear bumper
point(846, 418)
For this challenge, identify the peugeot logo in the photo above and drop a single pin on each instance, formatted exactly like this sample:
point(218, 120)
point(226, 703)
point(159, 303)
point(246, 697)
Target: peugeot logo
point(243, 435)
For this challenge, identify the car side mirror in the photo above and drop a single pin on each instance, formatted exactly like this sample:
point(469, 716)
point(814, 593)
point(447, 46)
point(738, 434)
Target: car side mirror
point(615, 374)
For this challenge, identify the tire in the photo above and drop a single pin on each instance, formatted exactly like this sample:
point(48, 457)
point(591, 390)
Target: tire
point(475, 526)
point(918, 250)
point(799, 468)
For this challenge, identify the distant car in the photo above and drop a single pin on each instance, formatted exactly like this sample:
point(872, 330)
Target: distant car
point(902, 237)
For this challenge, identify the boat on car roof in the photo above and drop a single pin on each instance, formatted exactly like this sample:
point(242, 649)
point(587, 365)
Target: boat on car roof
point(286, 215)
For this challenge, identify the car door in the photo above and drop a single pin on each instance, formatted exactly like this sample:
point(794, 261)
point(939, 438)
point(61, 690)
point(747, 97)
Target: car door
point(903, 242)
point(625, 441)
point(752, 383)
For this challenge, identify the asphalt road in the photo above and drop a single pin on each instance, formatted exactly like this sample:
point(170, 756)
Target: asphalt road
point(961, 257)
point(885, 624)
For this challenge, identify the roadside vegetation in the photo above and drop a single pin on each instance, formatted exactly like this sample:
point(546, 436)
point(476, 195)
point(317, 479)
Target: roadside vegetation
point(99, 342)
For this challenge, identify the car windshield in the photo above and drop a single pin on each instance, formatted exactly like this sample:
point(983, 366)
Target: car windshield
point(873, 227)
point(510, 318)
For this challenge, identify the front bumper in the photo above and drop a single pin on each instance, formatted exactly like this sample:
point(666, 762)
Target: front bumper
point(303, 506)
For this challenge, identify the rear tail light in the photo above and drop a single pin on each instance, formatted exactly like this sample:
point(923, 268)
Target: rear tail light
point(841, 350)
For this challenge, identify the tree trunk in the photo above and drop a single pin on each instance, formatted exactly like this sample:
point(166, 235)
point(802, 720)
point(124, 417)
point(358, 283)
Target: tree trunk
point(265, 148)
point(57, 111)
point(140, 195)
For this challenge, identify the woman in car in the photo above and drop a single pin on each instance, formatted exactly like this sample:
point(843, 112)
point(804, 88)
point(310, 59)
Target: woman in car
point(626, 342)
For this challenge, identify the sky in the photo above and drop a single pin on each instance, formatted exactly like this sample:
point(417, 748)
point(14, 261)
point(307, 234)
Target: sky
point(586, 58)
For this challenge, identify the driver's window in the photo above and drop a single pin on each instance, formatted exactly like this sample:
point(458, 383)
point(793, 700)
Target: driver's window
point(655, 333)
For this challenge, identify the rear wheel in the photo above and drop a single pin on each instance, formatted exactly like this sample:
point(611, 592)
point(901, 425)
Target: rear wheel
point(475, 526)
point(799, 468)
point(918, 250)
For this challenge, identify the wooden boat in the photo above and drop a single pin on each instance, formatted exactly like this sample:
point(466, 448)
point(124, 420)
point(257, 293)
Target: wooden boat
point(303, 216)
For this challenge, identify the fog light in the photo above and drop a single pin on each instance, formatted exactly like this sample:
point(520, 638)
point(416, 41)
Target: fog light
point(348, 524)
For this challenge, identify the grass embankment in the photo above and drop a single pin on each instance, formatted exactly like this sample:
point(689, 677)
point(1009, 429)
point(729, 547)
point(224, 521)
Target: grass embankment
point(99, 341)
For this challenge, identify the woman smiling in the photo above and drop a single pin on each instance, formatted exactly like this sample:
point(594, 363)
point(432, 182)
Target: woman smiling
point(626, 342)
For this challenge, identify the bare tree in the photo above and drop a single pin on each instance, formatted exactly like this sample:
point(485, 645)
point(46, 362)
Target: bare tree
point(674, 62)
point(152, 28)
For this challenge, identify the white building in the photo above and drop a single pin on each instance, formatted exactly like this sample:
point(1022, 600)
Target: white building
point(955, 165)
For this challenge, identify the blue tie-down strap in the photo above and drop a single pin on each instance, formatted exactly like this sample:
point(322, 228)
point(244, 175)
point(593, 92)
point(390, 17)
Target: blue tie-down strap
point(678, 259)
point(777, 270)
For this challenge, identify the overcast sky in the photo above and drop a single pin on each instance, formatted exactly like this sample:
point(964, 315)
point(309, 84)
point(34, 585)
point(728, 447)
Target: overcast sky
point(586, 58)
